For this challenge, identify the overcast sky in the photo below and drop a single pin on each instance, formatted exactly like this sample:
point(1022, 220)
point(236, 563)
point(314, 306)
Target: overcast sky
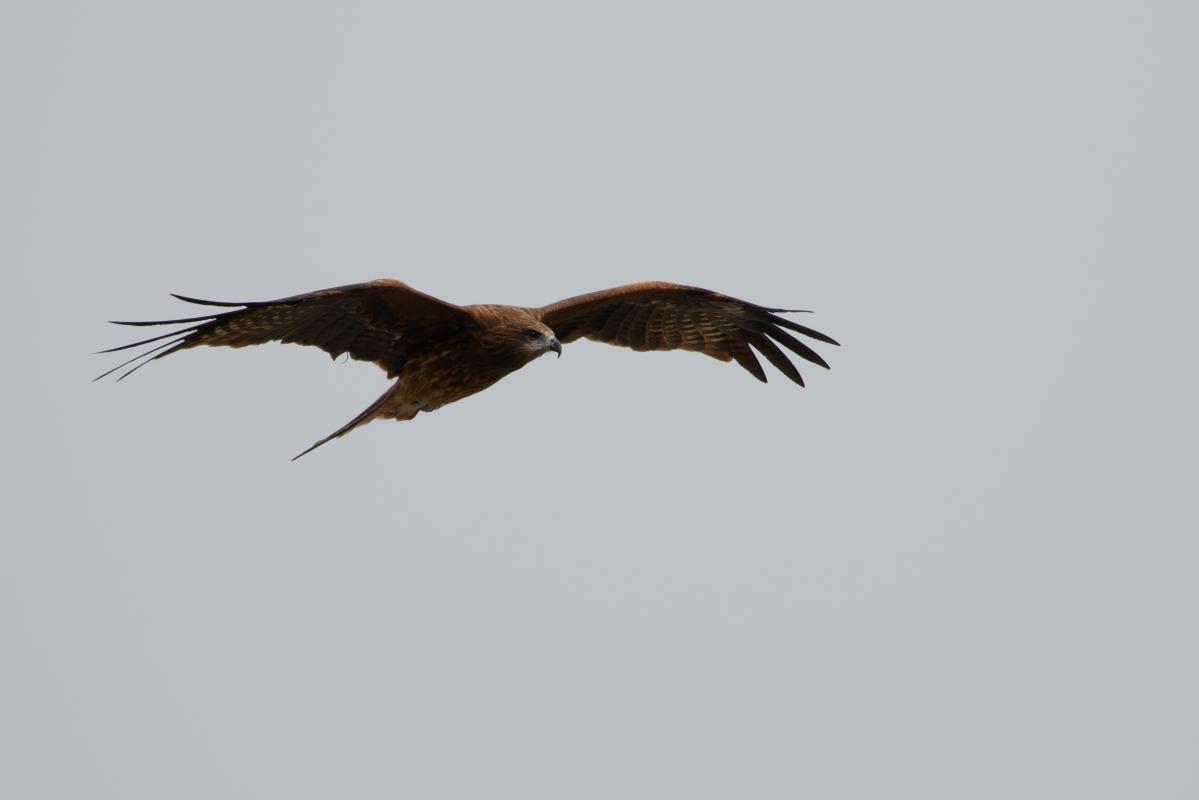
point(960, 564)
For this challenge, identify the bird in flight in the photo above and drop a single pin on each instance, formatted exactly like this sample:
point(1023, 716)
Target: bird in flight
point(440, 353)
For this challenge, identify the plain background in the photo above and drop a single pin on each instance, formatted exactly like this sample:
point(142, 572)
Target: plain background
point(959, 565)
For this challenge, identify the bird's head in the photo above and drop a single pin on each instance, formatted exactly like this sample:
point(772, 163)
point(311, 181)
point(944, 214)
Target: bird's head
point(535, 339)
point(517, 333)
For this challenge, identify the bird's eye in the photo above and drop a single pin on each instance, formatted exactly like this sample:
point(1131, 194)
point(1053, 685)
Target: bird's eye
point(533, 334)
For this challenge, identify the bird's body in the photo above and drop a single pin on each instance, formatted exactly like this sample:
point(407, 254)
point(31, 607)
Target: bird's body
point(471, 360)
point(440, 353)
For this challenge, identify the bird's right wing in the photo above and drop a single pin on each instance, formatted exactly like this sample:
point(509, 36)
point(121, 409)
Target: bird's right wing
point(381, 321)
point(666, 316)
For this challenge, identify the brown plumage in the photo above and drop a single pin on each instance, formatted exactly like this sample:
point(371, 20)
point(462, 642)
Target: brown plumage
point(440, 352)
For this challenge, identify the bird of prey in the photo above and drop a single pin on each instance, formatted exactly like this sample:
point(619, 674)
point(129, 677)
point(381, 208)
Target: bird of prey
point(440, 353)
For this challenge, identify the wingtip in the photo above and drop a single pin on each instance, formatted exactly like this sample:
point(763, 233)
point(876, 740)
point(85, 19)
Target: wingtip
point(818, 360)
point(199, 302)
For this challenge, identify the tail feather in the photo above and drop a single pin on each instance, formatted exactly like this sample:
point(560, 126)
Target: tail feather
point(368, 414)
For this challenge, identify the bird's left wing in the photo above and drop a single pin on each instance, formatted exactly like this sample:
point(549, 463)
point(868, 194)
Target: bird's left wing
point(381, 321)
point(666, 316)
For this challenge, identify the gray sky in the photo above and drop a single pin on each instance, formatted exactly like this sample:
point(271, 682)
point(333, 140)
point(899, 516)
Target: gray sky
point(959, 565)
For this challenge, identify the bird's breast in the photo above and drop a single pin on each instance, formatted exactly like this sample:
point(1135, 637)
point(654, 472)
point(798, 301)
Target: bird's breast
point(451, 373)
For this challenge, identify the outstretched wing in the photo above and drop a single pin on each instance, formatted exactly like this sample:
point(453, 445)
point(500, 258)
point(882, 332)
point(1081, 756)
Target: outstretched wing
point(381, 321)
point(665, 316)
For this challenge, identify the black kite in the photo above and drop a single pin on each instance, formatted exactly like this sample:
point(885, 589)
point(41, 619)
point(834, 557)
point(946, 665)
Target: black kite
point(441, 352)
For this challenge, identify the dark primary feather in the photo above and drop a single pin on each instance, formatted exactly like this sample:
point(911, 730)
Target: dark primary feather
point(666, 316)
point(381, 321)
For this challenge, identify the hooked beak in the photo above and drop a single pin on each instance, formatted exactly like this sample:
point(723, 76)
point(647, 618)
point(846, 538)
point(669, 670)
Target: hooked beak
point(556, 346)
